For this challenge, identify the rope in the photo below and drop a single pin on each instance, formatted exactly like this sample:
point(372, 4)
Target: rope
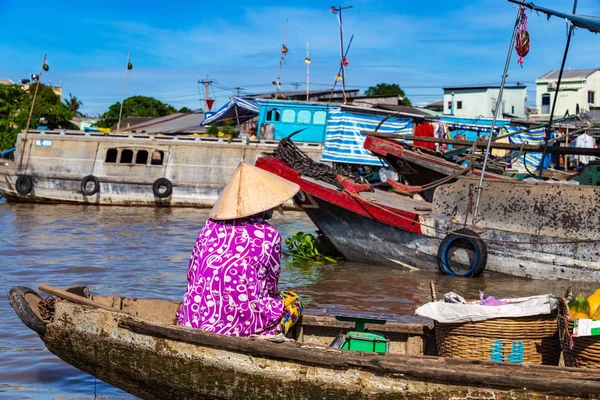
point(357, 198)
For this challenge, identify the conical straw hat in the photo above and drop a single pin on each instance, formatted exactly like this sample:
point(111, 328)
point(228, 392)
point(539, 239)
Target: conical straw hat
point(250, 191)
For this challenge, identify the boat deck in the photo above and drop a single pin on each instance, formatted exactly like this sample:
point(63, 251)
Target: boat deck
point(384, 198)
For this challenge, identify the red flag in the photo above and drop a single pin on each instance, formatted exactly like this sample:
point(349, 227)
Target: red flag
point(209, 103)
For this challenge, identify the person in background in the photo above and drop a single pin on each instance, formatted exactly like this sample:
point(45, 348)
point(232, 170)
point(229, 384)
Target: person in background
point(234, 268)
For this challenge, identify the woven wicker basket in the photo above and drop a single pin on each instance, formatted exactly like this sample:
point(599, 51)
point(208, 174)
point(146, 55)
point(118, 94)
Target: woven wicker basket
point(528, 340)
point(582, 352)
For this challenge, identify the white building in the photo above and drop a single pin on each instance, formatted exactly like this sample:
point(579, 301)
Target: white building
point(579, 90)
point(479, 101)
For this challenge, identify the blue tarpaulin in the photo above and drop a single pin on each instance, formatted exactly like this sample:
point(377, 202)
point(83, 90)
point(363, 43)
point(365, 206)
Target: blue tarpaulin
point(235, 110)
point(345, 143)
point(532, 137)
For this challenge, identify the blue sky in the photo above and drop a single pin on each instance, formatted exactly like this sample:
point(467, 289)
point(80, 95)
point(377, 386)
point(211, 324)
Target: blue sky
point(423, 46)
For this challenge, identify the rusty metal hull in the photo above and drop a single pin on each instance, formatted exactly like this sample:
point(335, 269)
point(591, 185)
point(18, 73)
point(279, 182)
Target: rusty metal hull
point(157, 360)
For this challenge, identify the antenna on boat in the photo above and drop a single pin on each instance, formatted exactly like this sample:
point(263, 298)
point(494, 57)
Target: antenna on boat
point(560, 74)
point(479, 188)
point(284, 51)
point(128, 67)
point(307, 62)
point(343, 62)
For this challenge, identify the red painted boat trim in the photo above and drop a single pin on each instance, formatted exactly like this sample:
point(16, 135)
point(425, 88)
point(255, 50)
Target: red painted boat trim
point(404, 220)
point(383, 147)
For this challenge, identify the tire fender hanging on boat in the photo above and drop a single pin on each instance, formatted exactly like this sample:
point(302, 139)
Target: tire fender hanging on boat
point(162, 183)
point(84, 185)
point(467, 238)
point(24, 184)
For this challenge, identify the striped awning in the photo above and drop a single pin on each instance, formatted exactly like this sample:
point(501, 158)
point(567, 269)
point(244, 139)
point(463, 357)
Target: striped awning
point(235, 110)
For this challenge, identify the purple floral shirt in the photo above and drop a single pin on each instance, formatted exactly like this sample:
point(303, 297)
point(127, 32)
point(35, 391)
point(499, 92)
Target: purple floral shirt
point(232, 279)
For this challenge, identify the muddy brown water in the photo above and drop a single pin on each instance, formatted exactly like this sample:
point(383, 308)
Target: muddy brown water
point(143, 252)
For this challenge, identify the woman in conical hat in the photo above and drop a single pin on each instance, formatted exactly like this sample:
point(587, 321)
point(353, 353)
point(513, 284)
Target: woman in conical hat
point(234, 267)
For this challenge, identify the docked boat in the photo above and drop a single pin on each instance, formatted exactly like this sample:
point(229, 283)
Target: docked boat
point(530, 229)
point(125, 169)
point(135, 345)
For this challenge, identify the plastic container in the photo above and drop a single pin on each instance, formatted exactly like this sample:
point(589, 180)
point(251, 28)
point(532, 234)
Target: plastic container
point(366, 341)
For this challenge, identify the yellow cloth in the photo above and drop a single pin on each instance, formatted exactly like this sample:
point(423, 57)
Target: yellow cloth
point(292, 309)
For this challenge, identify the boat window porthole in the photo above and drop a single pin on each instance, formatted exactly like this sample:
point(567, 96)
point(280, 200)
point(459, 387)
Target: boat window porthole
point(111, 156)
point(157, 157)
point(126, 156)
point(141, 157)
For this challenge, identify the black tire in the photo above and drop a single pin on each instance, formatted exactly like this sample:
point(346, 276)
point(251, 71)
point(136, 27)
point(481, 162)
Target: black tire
point(17, 300)
point(84, 185)
point(24, 184)
point(474, 242)
point(165, 185)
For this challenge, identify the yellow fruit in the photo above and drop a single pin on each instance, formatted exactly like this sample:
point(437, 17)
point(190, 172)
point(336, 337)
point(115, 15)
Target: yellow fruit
point(581, 315)
point(594, 301)
point(597, 291)
point(596, 315)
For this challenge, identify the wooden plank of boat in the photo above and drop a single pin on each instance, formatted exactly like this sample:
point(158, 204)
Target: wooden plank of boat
point(155, 359)
point(482, 144)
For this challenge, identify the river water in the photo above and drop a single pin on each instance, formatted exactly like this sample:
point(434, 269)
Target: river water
point(143, 252)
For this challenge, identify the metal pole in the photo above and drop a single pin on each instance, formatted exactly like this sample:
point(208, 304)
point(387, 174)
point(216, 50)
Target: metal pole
point(206, 84)
point(307, 61)
point(479, 188)
point(342, 57)
point(560, 74)
point(123, 94)
point(37, 85)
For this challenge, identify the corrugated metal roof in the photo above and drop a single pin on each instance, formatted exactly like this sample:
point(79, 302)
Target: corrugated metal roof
point(6, 82)
point(174, 123)
point(570, 73)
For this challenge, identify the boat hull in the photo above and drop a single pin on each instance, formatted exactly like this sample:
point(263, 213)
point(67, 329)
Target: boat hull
point(149, 356)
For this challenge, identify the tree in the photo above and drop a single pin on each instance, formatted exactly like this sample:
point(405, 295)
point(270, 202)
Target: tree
point(389, 89)
point(73, 104)
point(136, 106)
point(185, 110)
point(11, 99)
point(15, 104)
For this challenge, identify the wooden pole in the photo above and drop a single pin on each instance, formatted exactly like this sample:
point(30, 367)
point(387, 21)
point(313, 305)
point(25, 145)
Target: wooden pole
point(75, 298)
point(307, 61)
point(123, 93)
point(30, 113)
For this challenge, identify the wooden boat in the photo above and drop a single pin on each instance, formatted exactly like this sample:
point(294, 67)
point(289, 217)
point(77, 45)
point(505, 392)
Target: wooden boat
point(135, 345)
point(125, 169)
point(536, 230)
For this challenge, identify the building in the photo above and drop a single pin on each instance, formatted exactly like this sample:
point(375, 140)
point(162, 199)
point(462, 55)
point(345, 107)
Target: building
point(479, 101)
point(372, 101)
point(579, 91)
point(6, 82)
point(313, 95)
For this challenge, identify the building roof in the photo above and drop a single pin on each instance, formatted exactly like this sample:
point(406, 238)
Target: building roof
point(298, 94)
point(400, 109)
point(438, 105)
point(130, 121)
point(174, 123)
point(6, 82)
point(569, 74)
point(484, 87)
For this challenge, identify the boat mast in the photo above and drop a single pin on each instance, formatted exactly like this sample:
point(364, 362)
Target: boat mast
point(127, 68)
point(307, 62)
point(560, 74)
point(284, 51)
point(479, 188)
point(338, 12)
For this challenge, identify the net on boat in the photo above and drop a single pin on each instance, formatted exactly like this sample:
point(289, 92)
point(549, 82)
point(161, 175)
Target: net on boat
point(289, 153)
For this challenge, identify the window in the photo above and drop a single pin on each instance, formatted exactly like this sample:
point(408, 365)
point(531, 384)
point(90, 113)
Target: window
point(591, 97)
point(157, 157)
point(513, 110)
point(546, 103)
point(459, 105)
point(141, 157)
point(111, 156)
point(288, 116)
point(319, 117)
point(304, 117)
point(273, 114)
point(126, 156)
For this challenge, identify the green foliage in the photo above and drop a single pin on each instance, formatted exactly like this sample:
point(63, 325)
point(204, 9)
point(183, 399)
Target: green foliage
point(136, 106)
point(213, 130)
point(15, 104)
point(185, 110)
point(387, 89)
point(306, 247)
point(73, 104)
